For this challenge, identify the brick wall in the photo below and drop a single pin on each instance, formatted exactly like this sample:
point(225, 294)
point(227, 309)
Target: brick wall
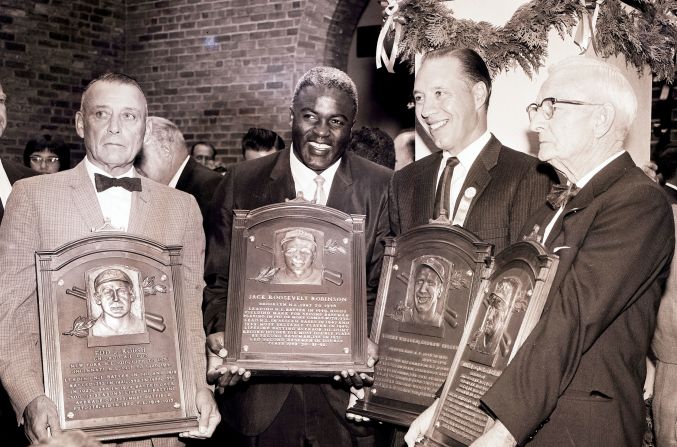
point(215, 67)
point(50, 50)
point(218, 67)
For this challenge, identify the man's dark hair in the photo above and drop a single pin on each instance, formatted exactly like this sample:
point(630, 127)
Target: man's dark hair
point(204, 143)
point(54, 144)
point(260, 139)
point(373, 144)
point(666, 161)
point(472, 64)
point(117, 78)
point(328, 77)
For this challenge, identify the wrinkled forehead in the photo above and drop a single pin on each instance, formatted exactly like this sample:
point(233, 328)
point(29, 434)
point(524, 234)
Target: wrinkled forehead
point(563, 85)
point(114, 95)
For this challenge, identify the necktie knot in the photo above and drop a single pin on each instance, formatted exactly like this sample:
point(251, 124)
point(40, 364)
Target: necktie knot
point(560, 194)
point(452, 162)
point(103, 182)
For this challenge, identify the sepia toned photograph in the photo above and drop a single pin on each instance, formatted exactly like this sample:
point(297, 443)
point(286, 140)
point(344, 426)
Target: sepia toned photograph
point(298, 249)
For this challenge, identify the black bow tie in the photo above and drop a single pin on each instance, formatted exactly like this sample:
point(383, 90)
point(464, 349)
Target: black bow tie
point(103, 182)
point(560, 194)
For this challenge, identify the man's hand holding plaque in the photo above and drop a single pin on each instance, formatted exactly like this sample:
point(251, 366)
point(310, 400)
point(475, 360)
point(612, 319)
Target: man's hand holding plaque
point(209, 416)
point(41, 419)
point(218, 372)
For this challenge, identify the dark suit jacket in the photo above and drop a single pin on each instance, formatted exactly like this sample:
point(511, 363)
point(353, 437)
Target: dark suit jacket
point(359, 187)
point(15, 171)
point(509, 184)
point(583, 366)
point(200, 182)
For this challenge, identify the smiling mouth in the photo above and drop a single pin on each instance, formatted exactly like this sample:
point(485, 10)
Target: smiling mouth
point(319, 147)
point(423, 299)
point(437, 125)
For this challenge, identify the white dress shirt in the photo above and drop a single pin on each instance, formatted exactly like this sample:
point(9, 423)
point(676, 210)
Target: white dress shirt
point(116, 202)
point(175, 179)
point(580, 184)
point(5, 185)
point(465, 160)
point(304, 177)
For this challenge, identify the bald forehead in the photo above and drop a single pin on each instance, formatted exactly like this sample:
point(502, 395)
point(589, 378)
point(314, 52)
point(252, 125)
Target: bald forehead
point(119, 94)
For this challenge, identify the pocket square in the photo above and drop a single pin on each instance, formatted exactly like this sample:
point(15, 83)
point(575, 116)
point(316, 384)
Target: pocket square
point(560, 248)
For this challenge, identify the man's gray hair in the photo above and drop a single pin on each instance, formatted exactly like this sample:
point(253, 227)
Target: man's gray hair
point(328, 77)
point(115, 78)
point(166, 134)
point(601, 82)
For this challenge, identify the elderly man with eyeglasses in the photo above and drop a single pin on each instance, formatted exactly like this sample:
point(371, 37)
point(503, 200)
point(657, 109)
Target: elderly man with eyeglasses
point(578, 378)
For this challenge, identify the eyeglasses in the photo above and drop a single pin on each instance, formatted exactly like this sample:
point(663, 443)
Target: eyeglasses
point(48, 160)
point(548, 106)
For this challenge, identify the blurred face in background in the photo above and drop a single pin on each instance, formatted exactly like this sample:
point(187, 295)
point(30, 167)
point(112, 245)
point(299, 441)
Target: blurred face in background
point(45, 161)
point(3, 111)
point(203, 154)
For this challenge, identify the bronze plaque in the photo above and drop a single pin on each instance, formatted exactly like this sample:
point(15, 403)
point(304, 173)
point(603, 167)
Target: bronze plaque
point(114, 348)
point(297, 290)
point(507, 307)
point(429, 277)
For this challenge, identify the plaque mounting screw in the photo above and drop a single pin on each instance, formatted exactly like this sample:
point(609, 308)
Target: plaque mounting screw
point(469, 273)
point(245, 348)
point(345, 241)
point(177, 405)
point(437, 424)
point(252, 238)
point(60, 282)
point(396, 267)
point(530, 292)
point(163, 278)
point(346, 350)
point(70, 415)
point(373, 391)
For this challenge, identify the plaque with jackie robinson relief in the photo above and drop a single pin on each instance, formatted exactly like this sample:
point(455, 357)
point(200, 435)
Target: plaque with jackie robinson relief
point(114, 346)
point(428, 279)
point(508, 305)
point(297, 291)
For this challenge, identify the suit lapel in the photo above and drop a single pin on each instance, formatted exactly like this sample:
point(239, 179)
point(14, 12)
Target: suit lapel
point(281, 185)
point(423, 200)
point(185, 177)
point(479, 175)
point(141, 200)
point(84, 198)
point(342, 185)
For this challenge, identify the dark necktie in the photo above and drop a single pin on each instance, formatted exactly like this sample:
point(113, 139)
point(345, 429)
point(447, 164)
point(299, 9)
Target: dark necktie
point(442, 197)
point(103, 182)
point(560, 194)
point(2, 210)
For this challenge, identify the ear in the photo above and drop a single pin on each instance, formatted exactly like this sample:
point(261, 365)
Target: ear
point(604, 119)
point(479, 94)
point(149, 130)
point(291, 116)
point(80, 124)
point(97, 298)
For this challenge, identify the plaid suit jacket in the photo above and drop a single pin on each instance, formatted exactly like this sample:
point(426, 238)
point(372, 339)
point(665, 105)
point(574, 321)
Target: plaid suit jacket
point(47, 211)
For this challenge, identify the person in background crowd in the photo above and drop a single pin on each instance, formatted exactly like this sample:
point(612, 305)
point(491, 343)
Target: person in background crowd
point(405, 152)
point(165, 159)
point(47, 211)
point(47, 155)
point(204, 153)
point(258, 142)
point(375, 145)
point(318, 165)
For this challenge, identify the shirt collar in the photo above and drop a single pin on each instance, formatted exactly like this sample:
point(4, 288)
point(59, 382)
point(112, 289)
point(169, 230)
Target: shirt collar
point(587, 177)
point(93, 169)
point(175, 179)
point(470, 153)
point(670, 185)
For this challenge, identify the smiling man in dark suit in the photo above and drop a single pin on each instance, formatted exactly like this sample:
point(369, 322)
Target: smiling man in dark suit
point(501, 186)
point(323, 110)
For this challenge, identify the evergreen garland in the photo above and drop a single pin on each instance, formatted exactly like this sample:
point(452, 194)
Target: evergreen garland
point(645, 36)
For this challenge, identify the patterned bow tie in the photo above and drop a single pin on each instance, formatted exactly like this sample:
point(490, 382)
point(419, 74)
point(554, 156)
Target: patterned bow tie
point(103, 182)
point(560, 194)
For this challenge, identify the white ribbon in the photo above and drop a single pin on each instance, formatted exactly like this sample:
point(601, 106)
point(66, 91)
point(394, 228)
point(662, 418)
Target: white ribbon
point(587, 27)
point(381, 53)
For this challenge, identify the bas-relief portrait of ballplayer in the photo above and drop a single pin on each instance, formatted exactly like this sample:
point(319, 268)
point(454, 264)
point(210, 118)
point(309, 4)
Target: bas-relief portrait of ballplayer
point(297, 258)
point(508, 295)
point(422, 310)
point(115, 305)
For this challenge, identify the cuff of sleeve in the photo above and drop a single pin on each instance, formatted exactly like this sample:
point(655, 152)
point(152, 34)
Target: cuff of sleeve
point(23, 394)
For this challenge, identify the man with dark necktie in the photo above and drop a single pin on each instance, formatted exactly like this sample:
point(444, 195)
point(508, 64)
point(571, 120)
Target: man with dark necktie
point(45, 212)
point(495, 187)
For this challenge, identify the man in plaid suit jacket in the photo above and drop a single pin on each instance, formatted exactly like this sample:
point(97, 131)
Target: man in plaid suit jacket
point(45, 212)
